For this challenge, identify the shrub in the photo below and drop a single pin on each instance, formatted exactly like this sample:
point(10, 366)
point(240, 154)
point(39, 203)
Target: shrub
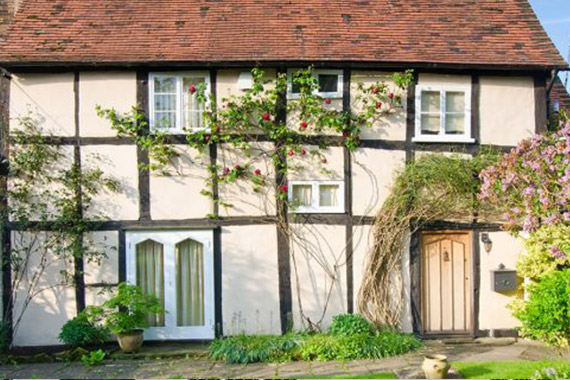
point(546, 250)
point(382, 344)
point(81, 332)
point(350, 324)
point(321, 347)
point(245, 349)
point(546, 314)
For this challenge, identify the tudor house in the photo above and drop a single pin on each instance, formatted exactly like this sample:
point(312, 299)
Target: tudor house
point(482, 72)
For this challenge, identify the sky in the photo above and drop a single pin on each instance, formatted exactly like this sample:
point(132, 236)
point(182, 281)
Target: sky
point(555, 18)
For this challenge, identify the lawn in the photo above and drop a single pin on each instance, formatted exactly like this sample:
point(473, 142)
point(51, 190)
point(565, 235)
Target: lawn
point(382, 375)
point(503, 369)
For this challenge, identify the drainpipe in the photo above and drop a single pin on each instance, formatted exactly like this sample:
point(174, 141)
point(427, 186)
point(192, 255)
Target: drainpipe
point(554, 74)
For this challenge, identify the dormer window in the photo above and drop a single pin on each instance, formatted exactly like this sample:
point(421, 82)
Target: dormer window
point(443, 114)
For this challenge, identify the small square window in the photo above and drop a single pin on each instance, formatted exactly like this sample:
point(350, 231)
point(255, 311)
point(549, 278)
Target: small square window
point(329, 84)
point(443, 114)
point(317, 196)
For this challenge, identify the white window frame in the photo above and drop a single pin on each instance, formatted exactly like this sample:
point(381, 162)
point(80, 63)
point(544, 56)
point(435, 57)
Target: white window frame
point(169, 239)
point(333, 95)
point(315, 195)
point(179, 75)
point(442, 137)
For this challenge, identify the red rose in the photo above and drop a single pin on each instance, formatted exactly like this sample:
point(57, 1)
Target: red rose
point(375, 90)
point(390, 95)
point(378, 104)
point(266, 116)
point(284, 188)
point(257, 172)
point(328, 100)
point(238, 167)
point(192, 89)
point(226, 170)
point(303, 152)
point(291, 153)
point(207, 138)
point(345, 134)
point(303, 125)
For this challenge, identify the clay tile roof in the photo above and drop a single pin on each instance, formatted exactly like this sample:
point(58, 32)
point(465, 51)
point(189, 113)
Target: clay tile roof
point(559, 95)
point(478, 32)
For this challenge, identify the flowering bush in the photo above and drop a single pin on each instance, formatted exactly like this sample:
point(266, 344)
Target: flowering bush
point(547, 249)
point(546, 314)
point(531, 184)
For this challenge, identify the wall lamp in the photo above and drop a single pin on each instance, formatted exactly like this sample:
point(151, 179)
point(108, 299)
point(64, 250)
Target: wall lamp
point(486, 242)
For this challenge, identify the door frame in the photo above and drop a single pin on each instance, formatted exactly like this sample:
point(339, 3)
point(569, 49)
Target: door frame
point(170, 237)
point(416, 277)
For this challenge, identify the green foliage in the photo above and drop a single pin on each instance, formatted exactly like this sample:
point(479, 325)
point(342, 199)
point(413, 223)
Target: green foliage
point(93, 358)
point(546, 250)
point(244, 349)
point(383, 344)
point(323, 347)
point(81, 332)
point(350, 324)
point(127, 310)
point(545, 315)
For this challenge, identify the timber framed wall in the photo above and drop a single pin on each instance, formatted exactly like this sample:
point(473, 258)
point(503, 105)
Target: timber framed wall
point(350, 221)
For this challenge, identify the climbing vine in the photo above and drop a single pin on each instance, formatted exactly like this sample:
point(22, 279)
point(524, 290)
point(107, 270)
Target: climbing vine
point(49, 199)
point(434, 187)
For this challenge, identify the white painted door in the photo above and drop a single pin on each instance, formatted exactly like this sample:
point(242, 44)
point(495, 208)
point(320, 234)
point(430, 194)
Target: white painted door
point(178, 268)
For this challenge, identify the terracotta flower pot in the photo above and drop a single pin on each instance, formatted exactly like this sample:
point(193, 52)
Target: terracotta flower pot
point(131, 342)
point(435, 366)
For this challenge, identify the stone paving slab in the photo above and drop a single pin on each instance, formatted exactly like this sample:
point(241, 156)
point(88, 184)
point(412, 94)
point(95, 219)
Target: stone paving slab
point(203, 368)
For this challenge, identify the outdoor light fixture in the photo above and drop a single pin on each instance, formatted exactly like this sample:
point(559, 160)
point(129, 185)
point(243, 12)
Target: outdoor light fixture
point(486, 242)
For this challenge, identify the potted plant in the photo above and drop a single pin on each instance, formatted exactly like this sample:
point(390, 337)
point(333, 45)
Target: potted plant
point(125, 315)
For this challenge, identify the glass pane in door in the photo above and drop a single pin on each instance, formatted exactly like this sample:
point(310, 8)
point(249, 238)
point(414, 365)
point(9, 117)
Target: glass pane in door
point(150, 274)
point(190, 283)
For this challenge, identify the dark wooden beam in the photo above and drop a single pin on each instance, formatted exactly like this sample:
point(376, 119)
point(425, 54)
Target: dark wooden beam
point(540, 104)
point(5, 232)
point(475, 108)
point(349, 246)
point(142, 154)
point(411, 118)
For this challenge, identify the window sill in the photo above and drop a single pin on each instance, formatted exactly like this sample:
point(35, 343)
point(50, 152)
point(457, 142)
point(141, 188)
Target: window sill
point(315, 211)
point(442, 139)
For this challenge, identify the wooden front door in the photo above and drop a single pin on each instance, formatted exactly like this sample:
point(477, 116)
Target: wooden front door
point(446, 283)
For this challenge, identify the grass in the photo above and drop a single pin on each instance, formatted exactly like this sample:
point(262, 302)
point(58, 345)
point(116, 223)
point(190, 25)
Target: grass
point(381, 375)
point(503, 369)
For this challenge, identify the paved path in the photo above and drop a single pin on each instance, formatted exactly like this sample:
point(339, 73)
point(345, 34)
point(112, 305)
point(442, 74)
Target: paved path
point(175, 368)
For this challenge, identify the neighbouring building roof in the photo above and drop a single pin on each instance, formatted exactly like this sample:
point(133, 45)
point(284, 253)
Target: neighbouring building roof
point(464, 32)
point(559, 95)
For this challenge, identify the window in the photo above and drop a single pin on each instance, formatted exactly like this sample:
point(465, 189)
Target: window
point(317, 196)
point(443, 114)
point(330, 84)
point(173, 106)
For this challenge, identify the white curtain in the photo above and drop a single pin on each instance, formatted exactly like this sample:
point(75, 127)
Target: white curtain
point(430, 112)
point(302, 195)
point(150, 275)
point(190, 283)
point(455, 113)
point(192, 109)
point(165, 102)
point(328, 195)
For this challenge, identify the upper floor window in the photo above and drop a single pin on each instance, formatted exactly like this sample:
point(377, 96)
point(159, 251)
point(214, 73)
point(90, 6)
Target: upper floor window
point(330, 84)
point(317, 196)
point(443, 114)
point(173, 101)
